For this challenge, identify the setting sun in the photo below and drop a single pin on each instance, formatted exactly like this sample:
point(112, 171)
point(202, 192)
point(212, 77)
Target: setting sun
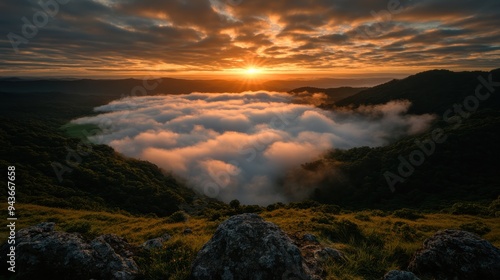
point(252, 71)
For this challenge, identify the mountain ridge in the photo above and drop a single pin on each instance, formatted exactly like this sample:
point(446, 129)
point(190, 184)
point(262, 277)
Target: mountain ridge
point(431, 91)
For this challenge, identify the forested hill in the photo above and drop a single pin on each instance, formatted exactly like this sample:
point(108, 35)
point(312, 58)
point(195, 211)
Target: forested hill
point(430, 92)
point(60, 170)
point(462, 167)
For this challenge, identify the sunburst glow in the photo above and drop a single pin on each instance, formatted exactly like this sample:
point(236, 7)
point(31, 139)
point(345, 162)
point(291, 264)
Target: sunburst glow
point(252, 71)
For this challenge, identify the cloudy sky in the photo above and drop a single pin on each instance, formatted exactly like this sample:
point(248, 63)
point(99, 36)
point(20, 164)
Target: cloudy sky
point(228, 37)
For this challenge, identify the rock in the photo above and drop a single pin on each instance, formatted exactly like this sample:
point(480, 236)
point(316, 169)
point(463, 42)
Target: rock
point(155, 243)
point(187, 231)
point(314, 254)
point(328, 253)
point(43, 253)
point(456, 254)
point(309, 237)
point(245, 247)
point(400, 275)
point(315, 257)
point(119, 244)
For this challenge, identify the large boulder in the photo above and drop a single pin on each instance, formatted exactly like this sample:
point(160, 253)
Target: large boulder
point(43, 253)
point(245, 247)
point(456, 254)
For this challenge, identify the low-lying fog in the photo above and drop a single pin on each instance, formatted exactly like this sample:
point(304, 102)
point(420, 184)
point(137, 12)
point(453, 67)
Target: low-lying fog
point(241, 145)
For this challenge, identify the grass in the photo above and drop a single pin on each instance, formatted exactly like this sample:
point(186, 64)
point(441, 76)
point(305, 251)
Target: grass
point(80, 131)
point(135, 229)
point(372, 243)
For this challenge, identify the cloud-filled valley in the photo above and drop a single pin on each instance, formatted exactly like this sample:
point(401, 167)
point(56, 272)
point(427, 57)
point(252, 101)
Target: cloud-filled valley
point(241, 145)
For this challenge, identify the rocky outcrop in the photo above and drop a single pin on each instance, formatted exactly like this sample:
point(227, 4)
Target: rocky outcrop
point(155, 243)
point(43, 253)
point(315, 255)
point(400, 275)
point(455, 254)
point(247, 247)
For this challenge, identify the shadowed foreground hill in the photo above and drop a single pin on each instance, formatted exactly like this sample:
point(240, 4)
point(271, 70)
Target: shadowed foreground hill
point(372, 242)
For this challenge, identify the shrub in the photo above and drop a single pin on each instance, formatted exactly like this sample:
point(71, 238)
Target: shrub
point(476, 227)
point(235, 204)
point(178, 217)
point(494, 207)
point(404, 230)
point(251, 209)
point(78, 227)
point(343, 231)
point(362, 217)
point(400, 256)
point(173, 262)
point(307, 204)
point(83, 228)
point(214, 215)
point(408, 214)
point(330, 209)
point(275, 206)
point(379, 213)
point(464, 208)
point(323, 219)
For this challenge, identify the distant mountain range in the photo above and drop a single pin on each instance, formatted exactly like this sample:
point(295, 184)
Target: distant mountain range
point(169, 85)
point(432, 91)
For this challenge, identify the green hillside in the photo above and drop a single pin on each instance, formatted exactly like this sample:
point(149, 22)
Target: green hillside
point(57, 167)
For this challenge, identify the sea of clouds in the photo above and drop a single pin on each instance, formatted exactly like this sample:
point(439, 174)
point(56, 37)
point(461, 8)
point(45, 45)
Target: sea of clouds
point(242, 145)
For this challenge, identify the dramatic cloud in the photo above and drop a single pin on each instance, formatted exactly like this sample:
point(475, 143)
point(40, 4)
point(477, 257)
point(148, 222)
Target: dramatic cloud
point(240, 145)
point(108, 37)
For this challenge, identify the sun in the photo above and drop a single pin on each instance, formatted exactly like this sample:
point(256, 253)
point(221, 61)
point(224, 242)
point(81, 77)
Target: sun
point(252, 71)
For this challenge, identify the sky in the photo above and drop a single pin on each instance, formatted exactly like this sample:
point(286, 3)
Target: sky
point(247, 146)
point(252, 38)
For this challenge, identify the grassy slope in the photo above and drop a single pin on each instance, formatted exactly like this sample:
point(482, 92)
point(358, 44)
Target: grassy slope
point(376, 245)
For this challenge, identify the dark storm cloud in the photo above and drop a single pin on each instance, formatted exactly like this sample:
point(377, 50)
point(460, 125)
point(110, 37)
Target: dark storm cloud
point(185, 35)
